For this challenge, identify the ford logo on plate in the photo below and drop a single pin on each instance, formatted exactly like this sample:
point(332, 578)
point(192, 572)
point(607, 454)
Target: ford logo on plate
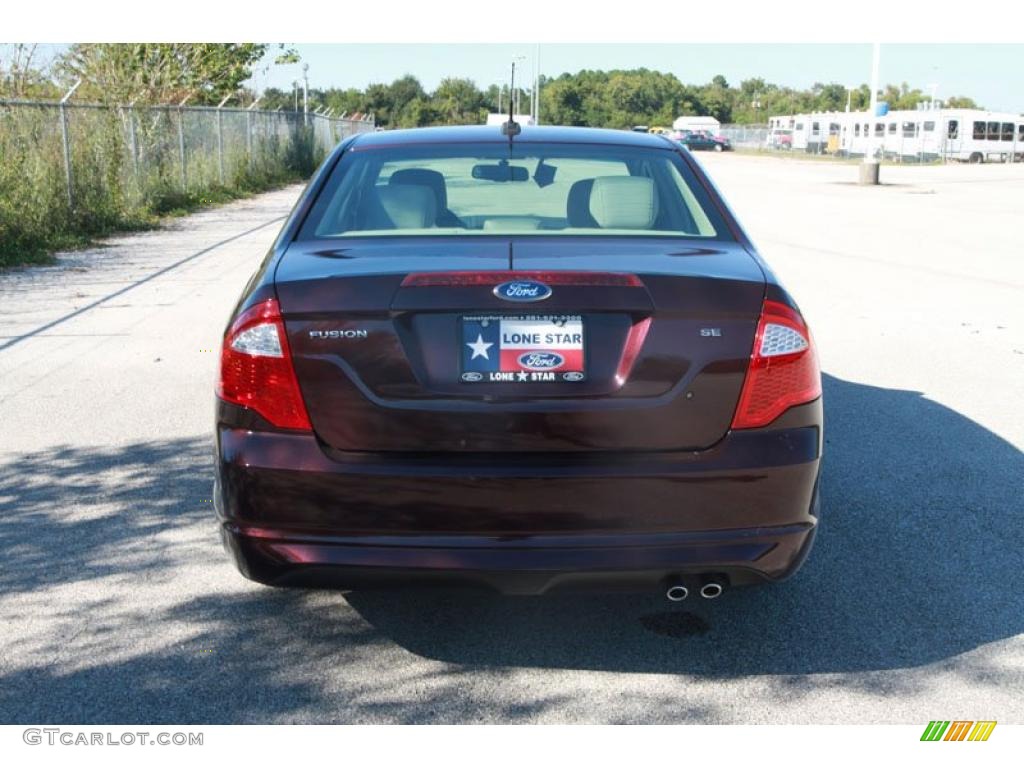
point(541, 361)
point(472, 376)
point(522, 290)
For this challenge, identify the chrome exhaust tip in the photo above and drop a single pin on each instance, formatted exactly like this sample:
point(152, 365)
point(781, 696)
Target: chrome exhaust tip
point(677, 593)
point(711, 590)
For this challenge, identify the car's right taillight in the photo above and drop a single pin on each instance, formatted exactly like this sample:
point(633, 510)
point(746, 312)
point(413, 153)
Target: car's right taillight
point(783, 369)
point(256, 368)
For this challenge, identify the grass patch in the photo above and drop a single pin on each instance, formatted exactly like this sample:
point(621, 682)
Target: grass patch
point(128, 173)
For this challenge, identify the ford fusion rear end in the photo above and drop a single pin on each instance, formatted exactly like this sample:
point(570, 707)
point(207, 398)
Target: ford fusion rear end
point(532, 365)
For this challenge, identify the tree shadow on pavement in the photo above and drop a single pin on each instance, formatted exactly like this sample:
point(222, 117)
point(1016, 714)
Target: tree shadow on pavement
point(118, 604)
point(73, 513)
point(917, 560)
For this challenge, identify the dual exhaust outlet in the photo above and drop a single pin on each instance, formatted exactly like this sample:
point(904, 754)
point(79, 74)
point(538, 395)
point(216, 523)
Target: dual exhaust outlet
point(711, 587)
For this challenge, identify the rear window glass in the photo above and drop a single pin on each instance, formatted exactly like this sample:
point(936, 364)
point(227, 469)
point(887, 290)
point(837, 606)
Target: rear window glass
point(525, 189)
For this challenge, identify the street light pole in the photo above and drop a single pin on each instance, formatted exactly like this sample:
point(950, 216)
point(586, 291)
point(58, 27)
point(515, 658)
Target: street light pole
point(515, 94)
point(869, 168)
point(536, 85)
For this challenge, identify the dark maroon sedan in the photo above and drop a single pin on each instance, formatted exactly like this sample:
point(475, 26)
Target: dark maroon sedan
point(537, 362)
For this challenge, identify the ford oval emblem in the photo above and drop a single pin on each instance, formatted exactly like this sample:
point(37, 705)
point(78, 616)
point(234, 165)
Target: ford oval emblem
point(522, 290)
point(540, 361)
point(472, 376)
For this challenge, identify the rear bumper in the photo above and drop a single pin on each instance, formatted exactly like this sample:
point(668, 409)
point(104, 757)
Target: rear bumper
point(531, 566)
point(292, 512)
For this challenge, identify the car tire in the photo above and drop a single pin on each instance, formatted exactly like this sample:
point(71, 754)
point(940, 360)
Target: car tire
point(718, 147)
point(976, 157)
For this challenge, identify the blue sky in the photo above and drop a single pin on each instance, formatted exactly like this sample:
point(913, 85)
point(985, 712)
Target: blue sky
point(992, 74)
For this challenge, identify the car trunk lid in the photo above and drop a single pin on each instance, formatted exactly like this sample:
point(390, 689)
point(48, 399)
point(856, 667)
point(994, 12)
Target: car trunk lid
point(643, 344)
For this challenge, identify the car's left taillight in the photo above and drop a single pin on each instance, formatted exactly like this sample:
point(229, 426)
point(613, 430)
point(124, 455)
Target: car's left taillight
point(256, 368)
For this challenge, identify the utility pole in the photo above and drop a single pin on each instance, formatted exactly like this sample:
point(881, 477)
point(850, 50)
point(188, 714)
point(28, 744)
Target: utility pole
point(869, 168)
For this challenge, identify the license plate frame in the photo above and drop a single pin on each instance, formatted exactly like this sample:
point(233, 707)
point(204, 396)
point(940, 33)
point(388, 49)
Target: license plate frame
point(522, 349)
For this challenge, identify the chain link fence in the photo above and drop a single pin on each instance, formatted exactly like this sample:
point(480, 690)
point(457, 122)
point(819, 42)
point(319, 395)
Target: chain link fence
point(746, 136)
point(74, 170)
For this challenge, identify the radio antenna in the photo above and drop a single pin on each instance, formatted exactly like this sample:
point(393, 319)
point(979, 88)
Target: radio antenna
point(511, 128)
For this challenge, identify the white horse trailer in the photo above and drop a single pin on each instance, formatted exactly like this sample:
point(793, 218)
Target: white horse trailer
point(969, 135)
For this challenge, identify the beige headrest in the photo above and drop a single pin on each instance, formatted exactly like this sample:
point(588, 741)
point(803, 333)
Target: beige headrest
point(409, 206)
point(623, 202)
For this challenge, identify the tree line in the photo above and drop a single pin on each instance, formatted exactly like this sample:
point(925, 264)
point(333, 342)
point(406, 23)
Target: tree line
point(204, 73)
point(611, 99)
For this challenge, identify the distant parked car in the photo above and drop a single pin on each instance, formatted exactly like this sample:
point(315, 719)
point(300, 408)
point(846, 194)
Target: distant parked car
point(780, 139)
point(696, 141)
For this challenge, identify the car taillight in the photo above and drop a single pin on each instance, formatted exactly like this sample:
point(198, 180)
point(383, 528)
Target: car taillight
point(783, 369)
point(256, 368)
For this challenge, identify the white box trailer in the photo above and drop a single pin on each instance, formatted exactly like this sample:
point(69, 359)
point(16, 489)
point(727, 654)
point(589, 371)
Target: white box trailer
point(967, 135)
point(500, 118)
point(697, 124)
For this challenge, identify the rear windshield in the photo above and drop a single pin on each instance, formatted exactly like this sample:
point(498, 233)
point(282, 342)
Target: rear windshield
point(495, 189)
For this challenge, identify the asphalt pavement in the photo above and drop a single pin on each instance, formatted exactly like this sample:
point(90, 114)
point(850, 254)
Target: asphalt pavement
point(117, 604)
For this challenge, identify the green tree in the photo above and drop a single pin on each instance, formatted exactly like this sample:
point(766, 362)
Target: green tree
point(459, 101)
point(418, 112)
point(156, 73)
point(609, 99)
point(717, 99)
point(829, 98)
point(23, 75)
point(962, 102)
